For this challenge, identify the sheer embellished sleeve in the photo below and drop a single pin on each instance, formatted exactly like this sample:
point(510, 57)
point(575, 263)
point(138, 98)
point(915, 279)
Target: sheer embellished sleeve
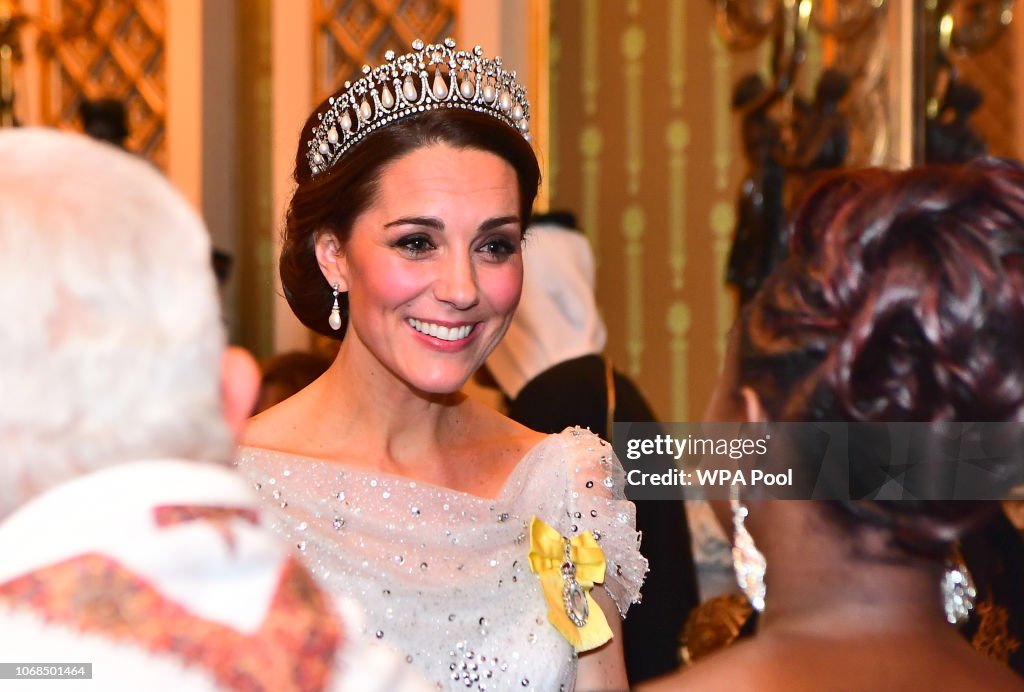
point(597, 503)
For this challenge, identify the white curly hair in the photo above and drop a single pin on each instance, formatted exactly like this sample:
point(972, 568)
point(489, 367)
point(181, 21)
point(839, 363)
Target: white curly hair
point(111, 335)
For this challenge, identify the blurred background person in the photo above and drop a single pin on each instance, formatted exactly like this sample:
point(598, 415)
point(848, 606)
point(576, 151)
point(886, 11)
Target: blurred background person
point(104, 119)
point(286, 373)
point(127, 542)
point(907, 305)
point(552, 369)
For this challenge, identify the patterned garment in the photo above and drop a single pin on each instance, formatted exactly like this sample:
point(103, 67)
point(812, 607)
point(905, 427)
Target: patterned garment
point(293, 649)
point(160, 575)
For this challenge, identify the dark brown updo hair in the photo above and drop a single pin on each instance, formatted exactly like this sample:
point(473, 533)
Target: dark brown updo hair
point(902, 300)
point(332, 201)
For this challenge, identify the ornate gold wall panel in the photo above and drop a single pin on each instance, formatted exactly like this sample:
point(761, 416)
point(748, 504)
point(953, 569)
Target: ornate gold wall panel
point(351, 33)
point(648, 160)
point(721, 218)
point(867, 58)
point(254, 254)
point(996, 73)
point(654, 173)
point(122, 57)
point(589, 78)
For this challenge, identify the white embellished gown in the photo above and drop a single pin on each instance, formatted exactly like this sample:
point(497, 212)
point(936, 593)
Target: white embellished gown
point(444, 575)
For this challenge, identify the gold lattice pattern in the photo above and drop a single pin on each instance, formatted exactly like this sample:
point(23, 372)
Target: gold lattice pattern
point(351, 33)
point(993, 73)
point(121, 57)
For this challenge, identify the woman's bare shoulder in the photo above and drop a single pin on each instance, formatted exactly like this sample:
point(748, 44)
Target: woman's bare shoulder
point(763, 666)
point(488, 445)
point(734, 668)
point(485, 427)
point(279, 427)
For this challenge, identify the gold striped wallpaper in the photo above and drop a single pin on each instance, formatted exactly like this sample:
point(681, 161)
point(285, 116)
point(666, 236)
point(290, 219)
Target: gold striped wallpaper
point(644, 152)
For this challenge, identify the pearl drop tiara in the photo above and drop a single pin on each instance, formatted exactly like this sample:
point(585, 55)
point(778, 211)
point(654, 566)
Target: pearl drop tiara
point(432, 77)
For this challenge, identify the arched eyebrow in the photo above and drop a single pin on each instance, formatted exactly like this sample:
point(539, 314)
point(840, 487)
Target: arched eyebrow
point(498, 222)
point(427, 221)
point(434, 223)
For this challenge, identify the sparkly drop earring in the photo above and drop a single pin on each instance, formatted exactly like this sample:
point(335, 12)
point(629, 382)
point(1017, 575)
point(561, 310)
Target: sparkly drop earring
point(958, 590)
point(335, 319)
point(747, 560)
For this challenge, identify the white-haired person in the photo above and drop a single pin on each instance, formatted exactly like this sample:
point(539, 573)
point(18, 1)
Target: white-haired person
point(130, 551)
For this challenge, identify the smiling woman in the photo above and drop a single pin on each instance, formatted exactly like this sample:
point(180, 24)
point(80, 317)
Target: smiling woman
point(330, 202)
point(461, 531)
point(432, 268)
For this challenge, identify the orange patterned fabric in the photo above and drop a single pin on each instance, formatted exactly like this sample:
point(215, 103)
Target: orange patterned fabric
point(293, 649)
point(171, 515)
point(218, 518)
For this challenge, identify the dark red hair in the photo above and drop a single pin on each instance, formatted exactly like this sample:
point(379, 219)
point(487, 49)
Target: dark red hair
point(902, 300)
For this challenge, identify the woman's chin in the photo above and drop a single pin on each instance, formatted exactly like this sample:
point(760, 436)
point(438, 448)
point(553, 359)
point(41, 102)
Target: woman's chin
point(440, 388)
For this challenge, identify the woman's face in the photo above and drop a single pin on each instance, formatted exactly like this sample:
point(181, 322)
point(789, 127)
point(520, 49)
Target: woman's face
point(433, 268)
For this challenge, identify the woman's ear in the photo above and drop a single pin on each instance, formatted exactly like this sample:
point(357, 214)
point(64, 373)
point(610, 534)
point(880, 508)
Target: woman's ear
point(331, 258)
point(752, 406)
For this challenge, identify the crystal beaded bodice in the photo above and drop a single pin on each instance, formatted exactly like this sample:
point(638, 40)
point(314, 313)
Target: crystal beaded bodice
point(443, 575)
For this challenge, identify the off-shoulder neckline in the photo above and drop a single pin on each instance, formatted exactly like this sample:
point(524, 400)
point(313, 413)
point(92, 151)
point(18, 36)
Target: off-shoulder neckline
point(521, 467)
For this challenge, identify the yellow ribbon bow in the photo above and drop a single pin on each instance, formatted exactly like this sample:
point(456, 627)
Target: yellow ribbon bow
point(568, 570)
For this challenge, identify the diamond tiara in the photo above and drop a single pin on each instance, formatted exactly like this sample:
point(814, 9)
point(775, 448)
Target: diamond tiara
point(432, 77)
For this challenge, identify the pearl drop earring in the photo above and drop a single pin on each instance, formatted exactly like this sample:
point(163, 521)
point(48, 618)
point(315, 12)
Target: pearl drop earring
point(335, 319)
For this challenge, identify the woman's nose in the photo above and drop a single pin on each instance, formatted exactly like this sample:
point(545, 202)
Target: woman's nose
point(456, 285)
